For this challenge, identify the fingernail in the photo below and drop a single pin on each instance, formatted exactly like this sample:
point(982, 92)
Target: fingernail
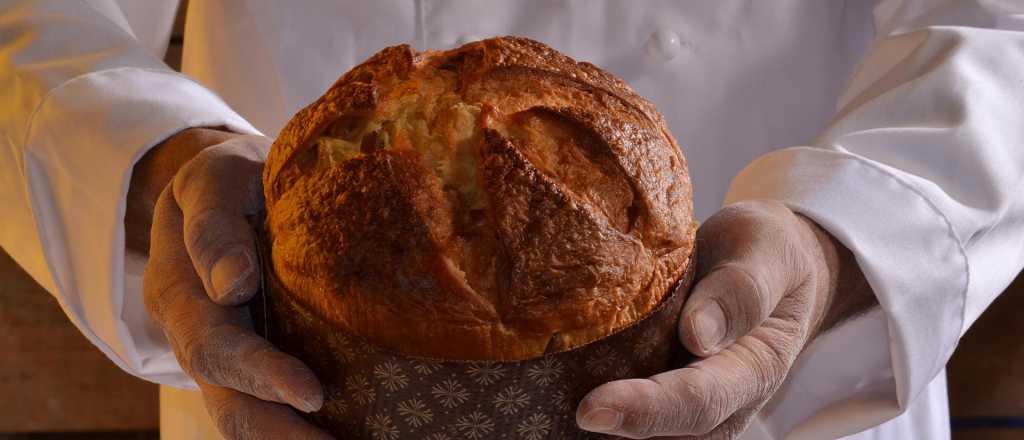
point(232, 267)
point(709, 324)
point(601, 420)
point(301, 404)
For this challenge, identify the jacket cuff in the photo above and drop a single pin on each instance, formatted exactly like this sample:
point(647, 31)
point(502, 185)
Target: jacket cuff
point(905, 246)
point(82, 143)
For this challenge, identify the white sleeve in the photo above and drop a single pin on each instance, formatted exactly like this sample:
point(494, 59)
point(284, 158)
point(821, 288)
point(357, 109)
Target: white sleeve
point(921, 175)
point(81, 100)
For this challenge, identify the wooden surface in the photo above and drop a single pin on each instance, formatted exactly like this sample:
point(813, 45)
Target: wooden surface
point(51, 377)
point(986, 374)
point(96, 435)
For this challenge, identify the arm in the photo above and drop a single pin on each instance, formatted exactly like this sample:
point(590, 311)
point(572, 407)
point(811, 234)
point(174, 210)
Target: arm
point(919, 177)
point(920, 174)
point(769, 282)
point(202, 265)
point(153, 172)
point(82, 100)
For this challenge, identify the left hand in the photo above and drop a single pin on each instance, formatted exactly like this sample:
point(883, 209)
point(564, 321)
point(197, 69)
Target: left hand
point(202, 268)
point(767, 285)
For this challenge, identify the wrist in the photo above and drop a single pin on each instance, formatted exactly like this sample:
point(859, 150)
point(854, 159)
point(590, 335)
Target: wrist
point(848, 292)
point(154, 171)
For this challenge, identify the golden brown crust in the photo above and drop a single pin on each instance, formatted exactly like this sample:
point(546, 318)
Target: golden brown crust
point(495, 201)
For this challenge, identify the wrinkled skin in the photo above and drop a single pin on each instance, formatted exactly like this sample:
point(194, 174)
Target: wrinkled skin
point(767, 286)
point(202, 266)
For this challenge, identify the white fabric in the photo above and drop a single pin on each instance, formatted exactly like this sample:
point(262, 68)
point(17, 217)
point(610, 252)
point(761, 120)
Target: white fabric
point(77, 113)
point(911, 111)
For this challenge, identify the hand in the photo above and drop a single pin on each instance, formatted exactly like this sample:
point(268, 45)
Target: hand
point(202, 267)
point(769, 281)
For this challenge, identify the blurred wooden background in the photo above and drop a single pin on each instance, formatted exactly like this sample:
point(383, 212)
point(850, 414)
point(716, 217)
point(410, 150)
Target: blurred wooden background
point(56, 385)
point(54, 380)
point(986, 374)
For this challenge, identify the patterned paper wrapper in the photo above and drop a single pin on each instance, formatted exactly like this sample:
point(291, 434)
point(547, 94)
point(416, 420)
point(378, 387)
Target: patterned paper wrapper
point(374, 394)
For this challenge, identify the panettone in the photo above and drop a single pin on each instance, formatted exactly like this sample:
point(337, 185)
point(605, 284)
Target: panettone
point(497, 201)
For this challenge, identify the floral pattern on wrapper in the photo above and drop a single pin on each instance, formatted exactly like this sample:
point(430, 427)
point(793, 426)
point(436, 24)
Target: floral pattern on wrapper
point(374, 394)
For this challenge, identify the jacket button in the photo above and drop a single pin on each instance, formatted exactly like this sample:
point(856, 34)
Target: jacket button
point(663, 45)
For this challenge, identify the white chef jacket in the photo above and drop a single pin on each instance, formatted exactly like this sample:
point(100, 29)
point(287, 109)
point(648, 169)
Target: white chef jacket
point(897, 125)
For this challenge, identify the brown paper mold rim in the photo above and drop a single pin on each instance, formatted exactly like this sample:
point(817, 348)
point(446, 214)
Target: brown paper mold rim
point(375, 394)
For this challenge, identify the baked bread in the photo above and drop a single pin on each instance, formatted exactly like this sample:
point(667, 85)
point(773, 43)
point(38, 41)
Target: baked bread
point(497, 201)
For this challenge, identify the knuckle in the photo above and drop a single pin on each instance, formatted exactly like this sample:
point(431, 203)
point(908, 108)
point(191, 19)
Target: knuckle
point(238, 146)
point(202, 232)
point(252, 147)
point(770, 378)
point(233, 154)
point(704, 421)
point(192, 358)
point(766, 207)
point(228, 148)
point(674, 406)
point(232, 419)
point(202, 354)
point(161, 295)
point(712, 406)
point(224, 357)
point(211, 167)
point(259, 145)
point(696, 405)
point(755, 209)
point(646, 410)
point(210, 233)
point(653, 419)
point(784, 340)
point(797, 261)
point(772, 361)
point(707, 419)
point(154, 293)
point(252, 369)
point(743, 208)
point(751, 298)
point(188, 174)
point(754, 218)
point(649, 421)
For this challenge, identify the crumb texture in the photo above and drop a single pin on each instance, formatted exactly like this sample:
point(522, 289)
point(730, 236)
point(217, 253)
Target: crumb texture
point(492, 202)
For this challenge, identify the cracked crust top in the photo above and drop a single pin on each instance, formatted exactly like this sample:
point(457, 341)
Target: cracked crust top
point(492, 202)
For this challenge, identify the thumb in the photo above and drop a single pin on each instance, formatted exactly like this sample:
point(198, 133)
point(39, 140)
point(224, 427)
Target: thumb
point(699, 399)
point(216, 191)
point(713, 396)
point(749, 266)
point(727, 304)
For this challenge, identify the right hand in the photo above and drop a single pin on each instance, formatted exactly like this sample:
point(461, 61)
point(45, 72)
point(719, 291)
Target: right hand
point(202, 269)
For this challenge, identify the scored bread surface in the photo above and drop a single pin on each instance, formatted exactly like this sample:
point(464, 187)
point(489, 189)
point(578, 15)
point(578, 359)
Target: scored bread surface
point(496, 201)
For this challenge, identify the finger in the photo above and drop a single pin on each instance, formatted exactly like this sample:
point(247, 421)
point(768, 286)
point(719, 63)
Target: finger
point(216, 190)
point(238, 416)
point(211, 342)
point(697, 399)
point(730, 429)
point(748, 268)
point(727, 304)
